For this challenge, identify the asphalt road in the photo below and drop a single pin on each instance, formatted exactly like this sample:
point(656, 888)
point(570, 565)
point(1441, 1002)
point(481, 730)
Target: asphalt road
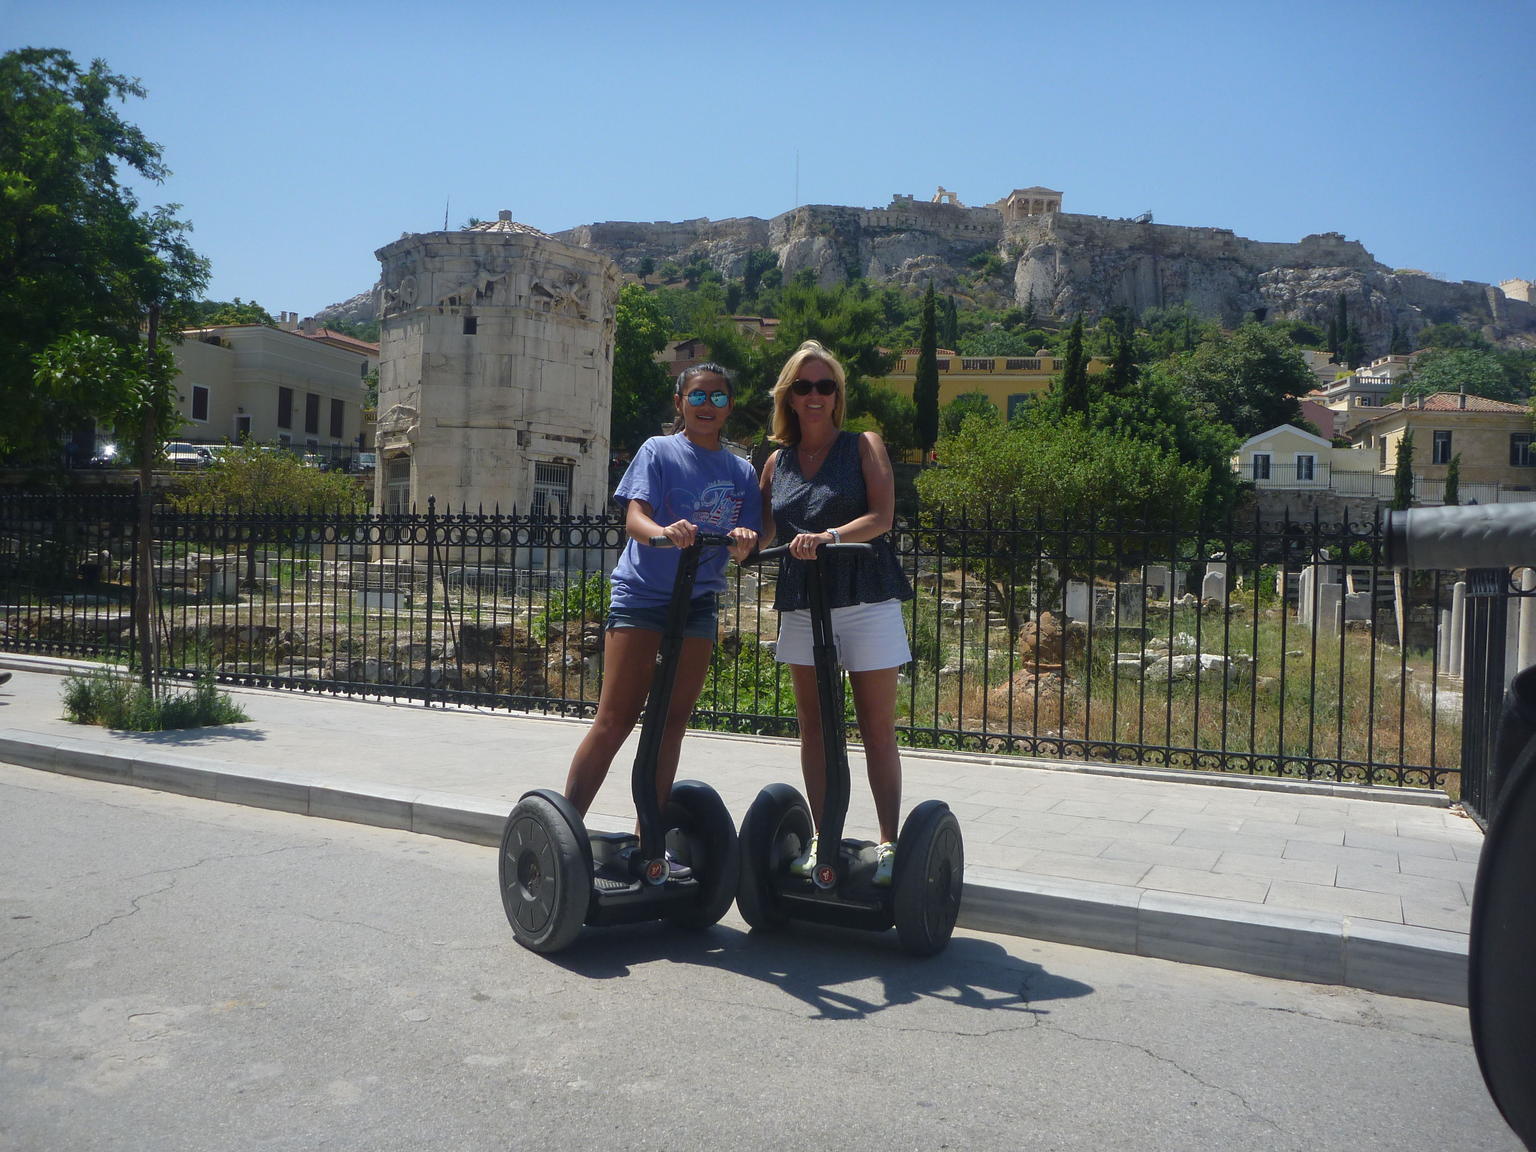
point(179, 974)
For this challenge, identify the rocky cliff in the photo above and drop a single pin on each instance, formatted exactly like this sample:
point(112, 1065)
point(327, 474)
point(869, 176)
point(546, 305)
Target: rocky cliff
point(1068, 263)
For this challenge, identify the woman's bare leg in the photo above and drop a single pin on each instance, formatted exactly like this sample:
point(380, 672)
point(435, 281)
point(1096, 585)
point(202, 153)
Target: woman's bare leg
point(629, 656)
point(874, 703)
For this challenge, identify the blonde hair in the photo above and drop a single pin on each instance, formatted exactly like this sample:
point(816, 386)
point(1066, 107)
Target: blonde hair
point(786, 425)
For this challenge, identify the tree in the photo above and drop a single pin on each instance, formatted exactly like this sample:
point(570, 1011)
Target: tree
point(1402, 479)
point(640, 384)
point(81, 376)
point(259, 479)
point(951, 336)
point(646, 268)
point(897, 417)
point(1059, 465)
point(1249, 381)
point(1450, 336)
point(1072, 388)
point(1476, 371)
point(77, 253)
point(925, 389)
point(208, 313)
point(1029, 317)
point(967, 404)
point(1453, 481)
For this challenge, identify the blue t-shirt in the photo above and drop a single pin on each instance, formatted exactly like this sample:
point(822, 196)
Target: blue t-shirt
point(716, 491)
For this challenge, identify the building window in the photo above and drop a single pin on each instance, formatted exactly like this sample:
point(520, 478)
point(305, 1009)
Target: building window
point(242, 429)
point(944, 364)
point(1016, 401)
point(551, 488)
point(1381, 451)
point(338, 417)
point(1261, 465)
point(1306, 466)
point(1441, 452)
point(311, 413)
point(285, 407)
point(397, 485)
point(1520, 455)
point(976, 365)
point(471, 325)
point(199, 402)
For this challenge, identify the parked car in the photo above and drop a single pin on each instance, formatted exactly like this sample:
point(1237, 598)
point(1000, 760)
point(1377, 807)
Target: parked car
point(180, 454)
point(365, 462)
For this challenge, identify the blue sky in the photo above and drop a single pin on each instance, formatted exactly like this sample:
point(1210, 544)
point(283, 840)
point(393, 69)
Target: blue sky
point(302, 137)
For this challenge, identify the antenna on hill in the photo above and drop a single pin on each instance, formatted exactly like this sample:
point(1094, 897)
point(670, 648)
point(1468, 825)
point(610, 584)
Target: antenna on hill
point(446, 202)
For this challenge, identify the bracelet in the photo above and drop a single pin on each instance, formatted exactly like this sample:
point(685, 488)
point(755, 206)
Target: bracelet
point(837, 537)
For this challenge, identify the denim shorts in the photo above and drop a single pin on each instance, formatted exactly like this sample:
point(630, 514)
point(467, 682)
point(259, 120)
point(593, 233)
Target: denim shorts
point(653, 617)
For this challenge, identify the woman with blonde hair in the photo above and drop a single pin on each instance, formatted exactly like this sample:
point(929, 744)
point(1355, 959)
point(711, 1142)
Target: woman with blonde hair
point(828, 486)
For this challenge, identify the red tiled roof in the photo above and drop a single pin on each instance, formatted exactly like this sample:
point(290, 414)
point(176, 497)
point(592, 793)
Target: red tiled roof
point(1451, 402)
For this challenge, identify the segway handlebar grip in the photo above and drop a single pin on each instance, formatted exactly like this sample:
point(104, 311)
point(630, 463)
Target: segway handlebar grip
point(710, 538)
point(1462, 536)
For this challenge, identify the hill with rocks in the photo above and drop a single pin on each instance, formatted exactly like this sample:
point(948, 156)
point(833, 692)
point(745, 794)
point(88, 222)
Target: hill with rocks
point(1013, 253)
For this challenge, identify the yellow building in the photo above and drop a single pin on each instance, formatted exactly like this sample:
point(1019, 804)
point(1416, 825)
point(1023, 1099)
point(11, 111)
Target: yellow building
point(1494, 440)
point(1007, 381)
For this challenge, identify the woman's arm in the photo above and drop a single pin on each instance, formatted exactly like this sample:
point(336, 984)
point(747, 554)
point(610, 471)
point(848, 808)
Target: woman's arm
point(765, 486)
point(640, 526)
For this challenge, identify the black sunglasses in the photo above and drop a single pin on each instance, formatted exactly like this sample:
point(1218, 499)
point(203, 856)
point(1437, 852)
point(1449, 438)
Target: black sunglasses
point(823, 387)
point(718, 398)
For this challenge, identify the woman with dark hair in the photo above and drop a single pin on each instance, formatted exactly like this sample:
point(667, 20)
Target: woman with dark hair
point(677, 485)
point(828, 486)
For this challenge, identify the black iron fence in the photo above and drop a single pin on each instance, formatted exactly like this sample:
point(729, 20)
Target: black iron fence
point(1277, 649)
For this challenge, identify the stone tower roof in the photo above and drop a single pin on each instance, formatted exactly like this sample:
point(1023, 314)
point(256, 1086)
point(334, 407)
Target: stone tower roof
point(505, 223)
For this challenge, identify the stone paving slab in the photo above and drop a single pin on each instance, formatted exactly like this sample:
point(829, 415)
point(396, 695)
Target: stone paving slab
point(1318, 882)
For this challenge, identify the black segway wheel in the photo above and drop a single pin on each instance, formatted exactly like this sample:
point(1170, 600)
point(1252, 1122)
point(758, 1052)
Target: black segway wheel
point(930, 873)
point(702, 835)
point(774, 832)
point(546, 882)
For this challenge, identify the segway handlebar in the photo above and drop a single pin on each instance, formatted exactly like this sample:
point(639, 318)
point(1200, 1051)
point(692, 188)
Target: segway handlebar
point(779, 550)
point(1462, 536)
point(712, 538)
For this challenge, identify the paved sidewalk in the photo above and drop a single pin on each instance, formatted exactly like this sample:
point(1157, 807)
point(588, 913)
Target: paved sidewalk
point(1323, 883)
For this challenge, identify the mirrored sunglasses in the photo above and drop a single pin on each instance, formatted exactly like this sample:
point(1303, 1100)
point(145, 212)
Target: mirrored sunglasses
point(823, 387)
point(718, 398)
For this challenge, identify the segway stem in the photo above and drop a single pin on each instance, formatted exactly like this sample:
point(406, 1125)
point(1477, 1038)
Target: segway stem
point(659, 701)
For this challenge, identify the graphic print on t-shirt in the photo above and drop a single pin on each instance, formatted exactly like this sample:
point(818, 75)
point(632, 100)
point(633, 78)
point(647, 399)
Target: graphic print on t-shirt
point(718, 506)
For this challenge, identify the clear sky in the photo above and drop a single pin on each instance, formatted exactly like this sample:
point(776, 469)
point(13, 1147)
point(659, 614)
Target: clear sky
point(302, 137)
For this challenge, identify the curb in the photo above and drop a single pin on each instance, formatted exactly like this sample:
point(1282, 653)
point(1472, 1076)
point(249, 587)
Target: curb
point(1394, 959)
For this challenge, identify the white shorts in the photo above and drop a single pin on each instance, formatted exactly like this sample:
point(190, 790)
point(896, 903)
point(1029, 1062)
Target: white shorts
point(867, 636)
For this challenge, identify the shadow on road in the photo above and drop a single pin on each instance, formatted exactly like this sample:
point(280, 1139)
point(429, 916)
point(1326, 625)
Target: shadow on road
point(830, 970)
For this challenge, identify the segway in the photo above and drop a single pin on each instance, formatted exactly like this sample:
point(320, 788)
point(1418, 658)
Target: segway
point(556, 875)
point(1501, 942)
point(923, 899)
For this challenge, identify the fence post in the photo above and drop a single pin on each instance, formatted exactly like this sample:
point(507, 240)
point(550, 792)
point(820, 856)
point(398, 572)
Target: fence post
point(431, 553)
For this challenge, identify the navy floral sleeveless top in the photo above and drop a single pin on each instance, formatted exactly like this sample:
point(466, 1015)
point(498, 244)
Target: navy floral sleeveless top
point(831, 498)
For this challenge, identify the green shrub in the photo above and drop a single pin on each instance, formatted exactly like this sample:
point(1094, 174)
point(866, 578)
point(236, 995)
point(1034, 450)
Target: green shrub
point(580, 600)
point(114, 700)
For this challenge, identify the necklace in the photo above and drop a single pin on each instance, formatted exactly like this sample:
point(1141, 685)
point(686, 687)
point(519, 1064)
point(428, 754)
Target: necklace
point(810, 457)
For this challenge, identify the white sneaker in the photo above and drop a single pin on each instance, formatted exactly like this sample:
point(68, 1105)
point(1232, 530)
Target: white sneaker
point(885, 864)
point(805, 863)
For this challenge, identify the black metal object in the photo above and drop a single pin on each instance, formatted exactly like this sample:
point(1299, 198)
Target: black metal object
point(922, 900)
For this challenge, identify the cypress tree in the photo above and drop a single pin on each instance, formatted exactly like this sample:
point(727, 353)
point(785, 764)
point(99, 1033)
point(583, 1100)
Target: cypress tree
point(951, 324)
point(1074, 375)
point(1402, 479)
point(925, 391)
point(1453, 480)
point(1029, 311)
